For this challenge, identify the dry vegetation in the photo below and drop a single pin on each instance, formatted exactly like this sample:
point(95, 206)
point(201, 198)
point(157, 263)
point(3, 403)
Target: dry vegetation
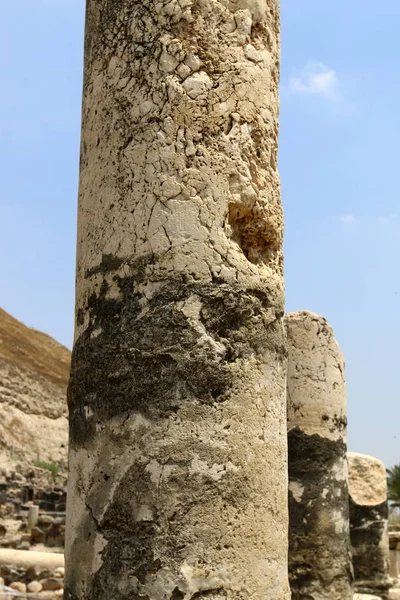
point(34, 371)
point(33, 350)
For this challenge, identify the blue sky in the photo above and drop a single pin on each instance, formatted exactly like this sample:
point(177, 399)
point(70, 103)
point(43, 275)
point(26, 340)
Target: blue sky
point(340, 126)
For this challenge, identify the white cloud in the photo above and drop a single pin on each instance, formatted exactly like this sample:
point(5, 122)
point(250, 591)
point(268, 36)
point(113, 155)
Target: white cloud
point(316, 79)
point(388, 219)
point(347, 219)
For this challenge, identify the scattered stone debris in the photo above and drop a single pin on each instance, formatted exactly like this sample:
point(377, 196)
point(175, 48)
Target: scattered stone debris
point(18, 495)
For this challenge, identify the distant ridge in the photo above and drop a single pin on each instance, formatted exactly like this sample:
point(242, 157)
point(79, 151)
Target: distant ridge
point(34, 371)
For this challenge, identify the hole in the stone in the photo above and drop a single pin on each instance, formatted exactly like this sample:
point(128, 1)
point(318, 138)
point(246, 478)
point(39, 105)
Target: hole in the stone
point(252, 235)
point(177, 594)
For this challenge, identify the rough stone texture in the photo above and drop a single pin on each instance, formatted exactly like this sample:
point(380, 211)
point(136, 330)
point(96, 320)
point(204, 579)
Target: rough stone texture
point(369, 524)
point(319, 545)
point(34, 371)
point(178, 478)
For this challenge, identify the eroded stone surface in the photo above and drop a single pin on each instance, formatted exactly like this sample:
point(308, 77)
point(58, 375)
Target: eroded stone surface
point(177, 397)
point(369, 524)
point(319, 544)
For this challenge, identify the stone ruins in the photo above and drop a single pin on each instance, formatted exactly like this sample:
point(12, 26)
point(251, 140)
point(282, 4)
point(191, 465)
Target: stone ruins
point(34, 372)
point(32, 533)
point(179, 387)
point(207, 430)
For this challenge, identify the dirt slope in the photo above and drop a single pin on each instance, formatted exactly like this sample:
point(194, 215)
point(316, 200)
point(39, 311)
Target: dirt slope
point(34, 371)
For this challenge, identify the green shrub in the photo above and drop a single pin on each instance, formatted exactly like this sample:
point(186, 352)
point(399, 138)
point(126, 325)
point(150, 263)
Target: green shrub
point(48, 466)
point(393, 483)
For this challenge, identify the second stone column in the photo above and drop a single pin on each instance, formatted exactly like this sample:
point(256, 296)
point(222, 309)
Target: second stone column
point(319, 544)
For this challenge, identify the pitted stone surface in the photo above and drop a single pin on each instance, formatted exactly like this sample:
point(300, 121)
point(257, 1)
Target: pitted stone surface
point(180, 140)
point(178, 480)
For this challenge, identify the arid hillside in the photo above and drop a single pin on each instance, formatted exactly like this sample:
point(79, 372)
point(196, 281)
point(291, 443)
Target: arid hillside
point(34, 371)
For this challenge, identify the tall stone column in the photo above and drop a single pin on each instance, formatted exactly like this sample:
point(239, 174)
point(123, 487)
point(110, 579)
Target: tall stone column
point(319, 545)
point(369, 524)
point(178, 485)
point(394, 554)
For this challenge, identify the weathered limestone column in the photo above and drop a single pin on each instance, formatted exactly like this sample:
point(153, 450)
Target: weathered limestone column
point(369, 524)
point(33, 516)
point(178, 485)
point(319, 545)
point(394, 548)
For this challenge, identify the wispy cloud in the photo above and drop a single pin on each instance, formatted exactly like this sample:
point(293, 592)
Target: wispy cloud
point(316, 79)
point(347, 219)
point(386, 220)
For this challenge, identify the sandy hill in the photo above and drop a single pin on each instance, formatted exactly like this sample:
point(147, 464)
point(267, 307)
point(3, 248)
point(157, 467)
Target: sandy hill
point(34, 371)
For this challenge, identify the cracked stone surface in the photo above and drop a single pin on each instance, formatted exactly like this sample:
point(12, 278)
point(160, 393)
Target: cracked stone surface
point(369, 524)
point(178, 484)
point(320, 565)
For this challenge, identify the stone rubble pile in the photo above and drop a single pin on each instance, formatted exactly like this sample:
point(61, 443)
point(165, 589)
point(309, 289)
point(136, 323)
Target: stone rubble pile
point(23, 583)
point(32, 517)
point(18, 494)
